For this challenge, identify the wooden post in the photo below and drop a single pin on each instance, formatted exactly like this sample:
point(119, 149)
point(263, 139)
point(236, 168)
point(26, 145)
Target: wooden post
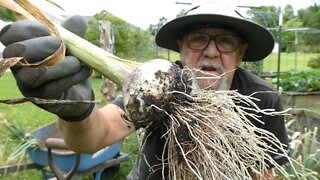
point(108, 88)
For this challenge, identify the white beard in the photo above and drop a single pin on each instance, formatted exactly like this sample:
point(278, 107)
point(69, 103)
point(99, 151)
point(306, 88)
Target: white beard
point(213, 82)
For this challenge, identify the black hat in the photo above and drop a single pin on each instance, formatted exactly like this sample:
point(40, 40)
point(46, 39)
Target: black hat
point(260, 40)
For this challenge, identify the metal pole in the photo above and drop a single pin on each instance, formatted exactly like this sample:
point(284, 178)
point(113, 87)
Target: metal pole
point(279, 48)
point(279, 58)
point(295, 48)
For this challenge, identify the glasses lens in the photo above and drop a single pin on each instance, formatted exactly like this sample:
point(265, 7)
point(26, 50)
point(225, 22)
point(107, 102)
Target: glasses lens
point(227, 43)
point(197, 41)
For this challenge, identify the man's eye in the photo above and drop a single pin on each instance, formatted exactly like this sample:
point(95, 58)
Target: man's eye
point(227, 40)
point(200, 39)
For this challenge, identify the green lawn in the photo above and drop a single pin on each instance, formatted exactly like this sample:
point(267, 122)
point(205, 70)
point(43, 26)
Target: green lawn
point(288, 61)
point(31, 118)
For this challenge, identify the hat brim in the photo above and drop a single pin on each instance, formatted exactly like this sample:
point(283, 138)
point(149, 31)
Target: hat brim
point(260, 40)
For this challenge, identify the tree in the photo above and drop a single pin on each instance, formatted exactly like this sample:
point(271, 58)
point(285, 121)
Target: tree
point(266, 16)
point(153, 29)
point(288, 13)
point(130, 42)
point(289, 37)
point(310, 18)
point(181, 13)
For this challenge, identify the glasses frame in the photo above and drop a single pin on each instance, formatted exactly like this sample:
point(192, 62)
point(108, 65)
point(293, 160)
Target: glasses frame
point(214, 38)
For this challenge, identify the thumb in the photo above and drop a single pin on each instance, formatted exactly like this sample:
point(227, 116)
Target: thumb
point(76, 24)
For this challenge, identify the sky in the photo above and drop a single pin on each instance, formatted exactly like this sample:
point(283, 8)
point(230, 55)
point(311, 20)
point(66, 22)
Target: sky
point(142, 13)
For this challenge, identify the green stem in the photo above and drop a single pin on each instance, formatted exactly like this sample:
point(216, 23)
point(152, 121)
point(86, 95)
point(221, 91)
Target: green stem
point(98, 59)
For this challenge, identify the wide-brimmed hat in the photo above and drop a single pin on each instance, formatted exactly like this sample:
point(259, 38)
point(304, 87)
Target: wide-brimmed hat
point(260, 40)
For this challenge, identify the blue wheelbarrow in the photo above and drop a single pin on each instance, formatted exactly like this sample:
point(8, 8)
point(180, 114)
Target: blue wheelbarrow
point(65, 163)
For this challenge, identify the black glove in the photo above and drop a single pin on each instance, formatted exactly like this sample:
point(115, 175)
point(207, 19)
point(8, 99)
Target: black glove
point(68, 80)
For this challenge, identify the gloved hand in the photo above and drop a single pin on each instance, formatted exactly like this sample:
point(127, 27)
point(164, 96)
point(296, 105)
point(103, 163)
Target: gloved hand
point(68, 80)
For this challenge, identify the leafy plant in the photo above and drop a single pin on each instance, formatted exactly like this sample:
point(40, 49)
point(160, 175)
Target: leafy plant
point(314, 62)
point(21, 137)
point(305, 150)
point(300, 81)
point(253, 67)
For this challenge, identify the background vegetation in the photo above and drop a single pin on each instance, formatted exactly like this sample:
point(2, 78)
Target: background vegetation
point(130, 42)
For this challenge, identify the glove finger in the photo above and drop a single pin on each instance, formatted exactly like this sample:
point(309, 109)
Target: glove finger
point(69, 66)
point(34, 50)
point(22, 30)
point(81, 91)
point(34, 77)
point(53, 89)
point(76, 24)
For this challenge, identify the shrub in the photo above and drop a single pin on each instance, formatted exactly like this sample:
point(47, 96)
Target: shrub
point(253, 67)
point(314, 62)
point(300, 81)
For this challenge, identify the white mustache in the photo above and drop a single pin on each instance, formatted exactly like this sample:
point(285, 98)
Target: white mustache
point(220, 79)
point(210, 64)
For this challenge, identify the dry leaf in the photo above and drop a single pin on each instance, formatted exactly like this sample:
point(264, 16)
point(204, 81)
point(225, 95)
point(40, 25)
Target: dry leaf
point(5, 64)
point(26, 10)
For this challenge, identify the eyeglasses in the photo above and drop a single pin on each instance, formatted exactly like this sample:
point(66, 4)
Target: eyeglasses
point(225, 43)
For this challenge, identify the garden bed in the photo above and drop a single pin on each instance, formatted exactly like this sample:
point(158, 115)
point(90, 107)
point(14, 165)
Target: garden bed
point(300, 99)
point(304, 119)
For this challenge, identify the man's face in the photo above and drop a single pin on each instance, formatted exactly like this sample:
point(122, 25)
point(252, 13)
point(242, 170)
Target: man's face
point(213, 65)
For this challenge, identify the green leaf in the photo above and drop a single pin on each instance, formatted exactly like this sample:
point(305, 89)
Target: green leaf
point(300, 81)
point(6, 15)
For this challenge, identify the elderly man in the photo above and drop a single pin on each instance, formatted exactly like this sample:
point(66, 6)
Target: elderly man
point(211, 42)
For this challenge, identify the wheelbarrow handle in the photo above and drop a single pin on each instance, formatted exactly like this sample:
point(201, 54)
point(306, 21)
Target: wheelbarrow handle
point(56, 143)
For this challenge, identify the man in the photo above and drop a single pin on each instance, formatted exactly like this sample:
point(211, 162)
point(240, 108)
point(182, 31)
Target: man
point(214, 45)
point(210, 44)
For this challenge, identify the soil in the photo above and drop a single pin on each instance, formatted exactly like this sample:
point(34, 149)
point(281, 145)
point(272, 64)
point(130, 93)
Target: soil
point(156, 117)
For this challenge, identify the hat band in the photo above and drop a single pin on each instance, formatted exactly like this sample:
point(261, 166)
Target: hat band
point(209, 25)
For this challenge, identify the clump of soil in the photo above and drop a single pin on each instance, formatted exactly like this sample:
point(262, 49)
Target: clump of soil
point(150, 109)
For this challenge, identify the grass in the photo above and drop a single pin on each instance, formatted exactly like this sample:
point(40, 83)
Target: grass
point(20, 112)
point(31, 118)
point(288, 61)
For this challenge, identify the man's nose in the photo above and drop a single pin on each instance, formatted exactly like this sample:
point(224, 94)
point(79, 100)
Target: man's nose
point(212, 50)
